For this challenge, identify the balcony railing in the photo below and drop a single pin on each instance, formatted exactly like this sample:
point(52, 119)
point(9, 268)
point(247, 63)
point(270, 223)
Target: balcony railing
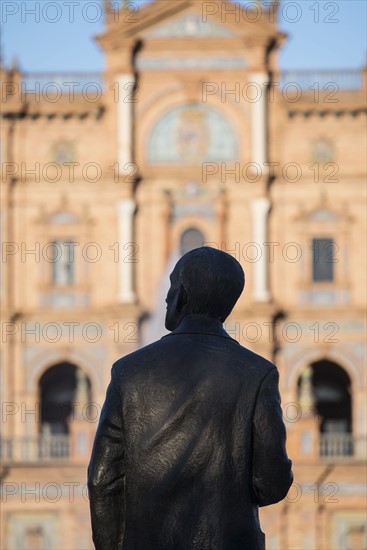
point(319, 80)
point(30, 449)
point(64, 448)
point(89, 83)
point(342, 445)
point(74, 447)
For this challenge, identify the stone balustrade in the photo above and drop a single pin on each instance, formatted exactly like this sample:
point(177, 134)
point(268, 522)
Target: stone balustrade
point(347, 79)
point(50, 448)
point(342, 445)
point(67, 448)
point(308, 80)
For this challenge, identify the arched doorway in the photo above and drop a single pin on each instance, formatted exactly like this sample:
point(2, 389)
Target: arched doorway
point(60, 387)
point(190, 239)
point(332, 401)
point(332, 392)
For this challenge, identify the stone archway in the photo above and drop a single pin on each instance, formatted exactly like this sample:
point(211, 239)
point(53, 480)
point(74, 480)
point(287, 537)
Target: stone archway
point(60, 387)
point(325, 387)
point(331, 389)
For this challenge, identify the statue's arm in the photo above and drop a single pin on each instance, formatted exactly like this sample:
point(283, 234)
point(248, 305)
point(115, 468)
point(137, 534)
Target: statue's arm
point(106, 474)
point(272, 469)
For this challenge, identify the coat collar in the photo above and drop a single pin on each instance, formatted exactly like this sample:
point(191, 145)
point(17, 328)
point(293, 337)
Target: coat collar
point(197, 324)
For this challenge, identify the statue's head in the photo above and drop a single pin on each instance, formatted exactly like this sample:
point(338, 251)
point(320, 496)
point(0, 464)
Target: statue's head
point(206, 282)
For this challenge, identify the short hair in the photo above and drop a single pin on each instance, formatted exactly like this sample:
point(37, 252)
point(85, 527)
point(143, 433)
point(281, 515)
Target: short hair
point(213, 281)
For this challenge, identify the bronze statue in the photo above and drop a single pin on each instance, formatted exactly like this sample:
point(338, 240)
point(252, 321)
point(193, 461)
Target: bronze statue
point(191, 439)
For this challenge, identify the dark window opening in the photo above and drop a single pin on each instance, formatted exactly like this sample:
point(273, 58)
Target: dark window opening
point(331, 395)
point(58, 392)
point(323, 259)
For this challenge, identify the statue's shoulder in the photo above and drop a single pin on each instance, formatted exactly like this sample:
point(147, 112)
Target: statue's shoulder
point(137, 357)
point(257, 360)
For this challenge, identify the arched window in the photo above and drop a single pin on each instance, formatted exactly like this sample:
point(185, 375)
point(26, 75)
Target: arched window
point(328, 389)
point(331, 389)
point(190, 239)
point(60, 387)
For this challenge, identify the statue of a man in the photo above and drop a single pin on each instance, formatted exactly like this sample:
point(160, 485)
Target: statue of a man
point(191, 439)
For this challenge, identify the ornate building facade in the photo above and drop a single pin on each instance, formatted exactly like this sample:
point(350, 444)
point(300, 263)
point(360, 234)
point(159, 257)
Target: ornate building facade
point(191, 135)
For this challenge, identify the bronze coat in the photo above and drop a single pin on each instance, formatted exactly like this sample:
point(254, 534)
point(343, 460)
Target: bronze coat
point(190, 443)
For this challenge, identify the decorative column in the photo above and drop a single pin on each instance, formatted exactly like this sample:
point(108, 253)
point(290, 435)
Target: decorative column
point(306, 393)
point(305, 437)
point(80, 431)
point(82, 398)
point(259, 122)
point(126, 83)
point(260, 208)
point(359, 429)
point(127, 250)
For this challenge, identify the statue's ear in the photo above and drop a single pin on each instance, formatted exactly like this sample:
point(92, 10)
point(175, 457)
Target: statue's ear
point(181, 298)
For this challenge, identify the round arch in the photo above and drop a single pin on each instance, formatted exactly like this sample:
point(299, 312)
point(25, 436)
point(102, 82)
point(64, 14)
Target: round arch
point(60, 387)
point(191, 133)
point(191, 238)
point(312, 356)
point(147, 103)
point(47, 361)
point(180, 227)
point(331, 392)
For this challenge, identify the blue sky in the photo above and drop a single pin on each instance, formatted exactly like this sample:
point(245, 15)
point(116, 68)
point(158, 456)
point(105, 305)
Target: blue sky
point(322, 34)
